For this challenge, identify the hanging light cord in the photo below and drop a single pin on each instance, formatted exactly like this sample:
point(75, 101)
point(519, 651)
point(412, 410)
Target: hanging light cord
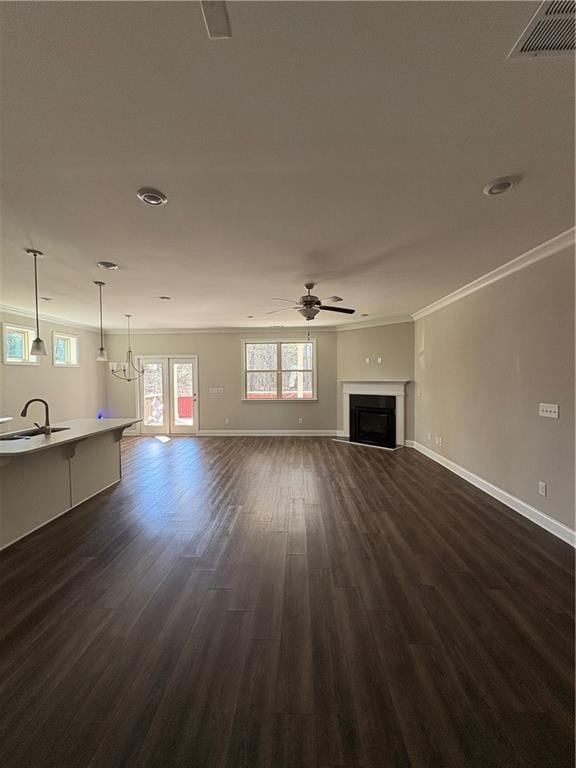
point(101, 329)
point(36, 294)
point(124, 372)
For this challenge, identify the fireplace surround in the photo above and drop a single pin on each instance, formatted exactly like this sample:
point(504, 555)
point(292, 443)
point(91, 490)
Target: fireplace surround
point(394, 389)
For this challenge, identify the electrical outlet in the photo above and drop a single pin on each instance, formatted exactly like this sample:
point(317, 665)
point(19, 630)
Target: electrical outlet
point(548, 409)
point(300, 419)
point(429, 437)
point(542, 488)
point(440, 440)
point(226, 420)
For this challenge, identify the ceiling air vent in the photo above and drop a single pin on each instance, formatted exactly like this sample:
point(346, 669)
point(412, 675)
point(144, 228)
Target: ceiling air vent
point(550, 32)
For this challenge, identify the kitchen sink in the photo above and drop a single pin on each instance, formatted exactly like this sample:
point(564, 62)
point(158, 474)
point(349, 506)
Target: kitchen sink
point(27, 433)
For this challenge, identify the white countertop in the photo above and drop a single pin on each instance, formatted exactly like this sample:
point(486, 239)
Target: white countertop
point(79, 429)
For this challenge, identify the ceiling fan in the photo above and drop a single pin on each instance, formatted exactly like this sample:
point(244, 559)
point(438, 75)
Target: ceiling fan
point(309, 305)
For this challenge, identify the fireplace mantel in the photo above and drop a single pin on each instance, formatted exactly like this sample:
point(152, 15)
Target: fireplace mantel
point(390, 387)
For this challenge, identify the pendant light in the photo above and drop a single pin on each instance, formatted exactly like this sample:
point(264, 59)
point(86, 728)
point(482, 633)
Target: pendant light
point(38, 347)
point(102, 354)
point(127, 371)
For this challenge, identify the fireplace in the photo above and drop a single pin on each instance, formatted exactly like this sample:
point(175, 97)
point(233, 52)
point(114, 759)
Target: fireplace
point(373, 420)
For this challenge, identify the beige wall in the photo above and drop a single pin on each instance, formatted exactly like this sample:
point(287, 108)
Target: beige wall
point(395, 345)
point(482, 366)
point(71, 392)
point(220, 365)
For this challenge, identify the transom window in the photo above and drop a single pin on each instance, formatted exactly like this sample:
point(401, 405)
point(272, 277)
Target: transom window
point(64, 349)
point(16, 343)
point(279, 370)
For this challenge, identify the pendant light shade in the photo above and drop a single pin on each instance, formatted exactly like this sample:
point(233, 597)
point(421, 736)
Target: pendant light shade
point(102, 356)
point(38, 347)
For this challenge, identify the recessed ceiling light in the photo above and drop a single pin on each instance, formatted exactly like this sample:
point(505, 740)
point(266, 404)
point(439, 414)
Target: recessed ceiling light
point(45, 298)
point(164, 298)
point(501, 185)
point(152, 196)
point(107, 265)
point(250, 317)
point(365, 314)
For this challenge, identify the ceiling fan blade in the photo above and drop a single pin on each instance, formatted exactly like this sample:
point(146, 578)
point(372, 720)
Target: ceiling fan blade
point(284, 309)
point(216, 19)
point(344, 310)
point(332, 299)
point(275, 298)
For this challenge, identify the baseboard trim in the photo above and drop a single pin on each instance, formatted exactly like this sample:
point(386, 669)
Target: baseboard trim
point(267, 432)
point(527, 510)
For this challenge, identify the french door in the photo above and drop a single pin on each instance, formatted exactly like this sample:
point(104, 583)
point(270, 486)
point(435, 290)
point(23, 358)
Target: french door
point(168, 395)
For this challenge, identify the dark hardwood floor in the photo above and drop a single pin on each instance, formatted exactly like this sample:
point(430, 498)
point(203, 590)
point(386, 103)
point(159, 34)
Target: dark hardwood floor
point(286, 603)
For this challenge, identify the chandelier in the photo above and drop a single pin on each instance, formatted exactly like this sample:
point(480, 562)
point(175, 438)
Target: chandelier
point(128, 370)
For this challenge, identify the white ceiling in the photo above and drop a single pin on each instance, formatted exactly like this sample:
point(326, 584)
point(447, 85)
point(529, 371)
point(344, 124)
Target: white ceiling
point(342, 142)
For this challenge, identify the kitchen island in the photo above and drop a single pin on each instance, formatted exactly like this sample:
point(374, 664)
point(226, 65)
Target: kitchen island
point(43, 476)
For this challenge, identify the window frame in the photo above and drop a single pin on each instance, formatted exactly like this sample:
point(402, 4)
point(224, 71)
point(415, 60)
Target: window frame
point(279, 371)
point(31, 333)
point(63, 335)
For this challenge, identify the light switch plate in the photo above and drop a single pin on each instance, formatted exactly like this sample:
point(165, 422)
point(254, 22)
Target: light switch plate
point(550, 410)
point(367, 360)
point(542, 489)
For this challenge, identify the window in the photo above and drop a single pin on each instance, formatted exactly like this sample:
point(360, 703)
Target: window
point(17, 343)
point(64, 349)
point(279, 370)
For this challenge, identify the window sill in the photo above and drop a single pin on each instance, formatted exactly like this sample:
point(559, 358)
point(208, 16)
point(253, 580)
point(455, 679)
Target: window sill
point(19, 362)
point(279, 400)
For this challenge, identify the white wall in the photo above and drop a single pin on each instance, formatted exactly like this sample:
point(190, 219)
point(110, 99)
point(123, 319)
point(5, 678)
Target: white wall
point(71, 392)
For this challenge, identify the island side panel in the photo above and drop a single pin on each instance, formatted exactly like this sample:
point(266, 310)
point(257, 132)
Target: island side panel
point(95, 465)
point(34, 488)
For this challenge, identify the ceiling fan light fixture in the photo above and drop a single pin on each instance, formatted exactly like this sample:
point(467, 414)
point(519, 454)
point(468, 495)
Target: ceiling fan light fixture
point(309, 312)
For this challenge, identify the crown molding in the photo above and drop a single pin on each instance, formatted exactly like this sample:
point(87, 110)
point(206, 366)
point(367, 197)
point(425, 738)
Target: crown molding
point(250, 330)
point(539, 252)
point(375, 322)
point(28, 313)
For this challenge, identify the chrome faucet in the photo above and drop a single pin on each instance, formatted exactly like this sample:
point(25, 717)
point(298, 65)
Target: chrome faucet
point(46, 429)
